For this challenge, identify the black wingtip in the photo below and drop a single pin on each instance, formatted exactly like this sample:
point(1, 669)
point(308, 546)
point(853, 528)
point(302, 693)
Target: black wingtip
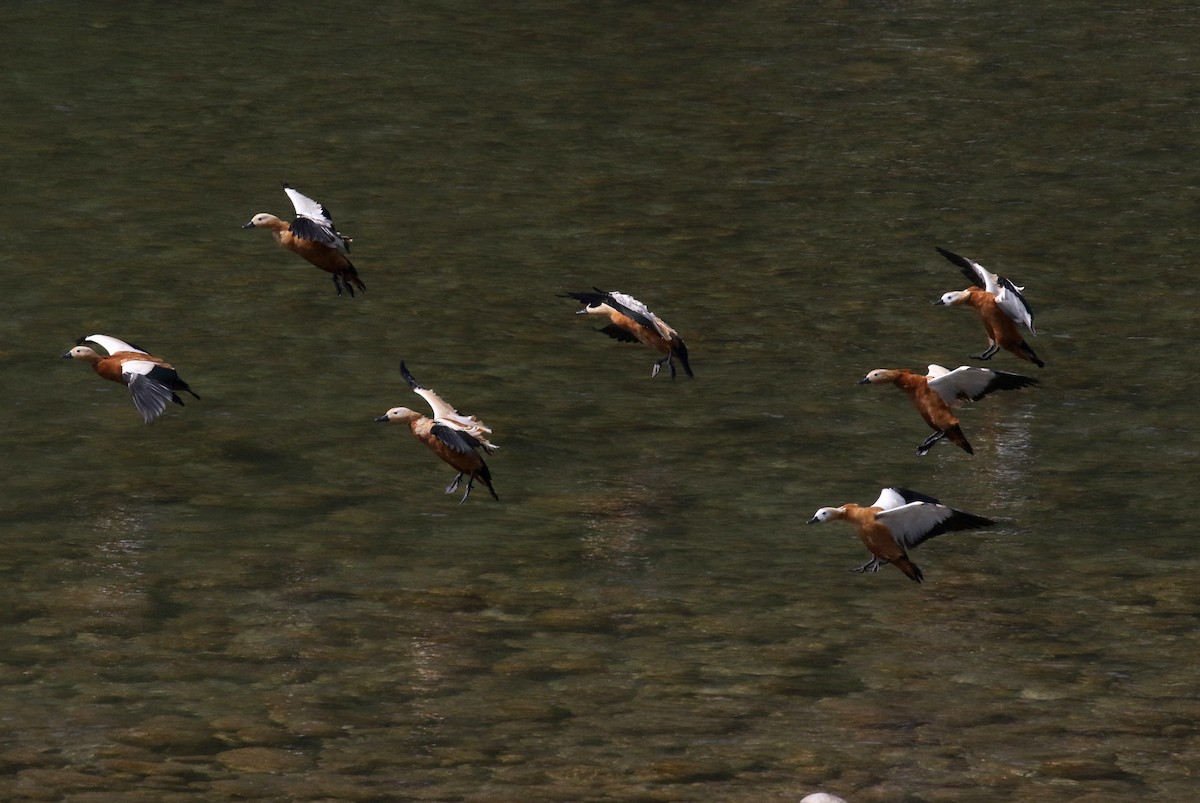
point(285, 185)
point(1009, 381)
point(909, 495)
point(412, 383)
point(957, 259)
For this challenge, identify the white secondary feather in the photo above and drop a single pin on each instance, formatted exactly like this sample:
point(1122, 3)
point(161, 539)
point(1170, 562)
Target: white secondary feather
point(1007, 293)
point(1014, 305)
point(888, 499)
point(444, 413)
point(910, 523)
point(963, 383)
point(989, 280)
point(314, 222)
point(137, 367)
point(307, 207)
point(111, 344)
point(934, 371)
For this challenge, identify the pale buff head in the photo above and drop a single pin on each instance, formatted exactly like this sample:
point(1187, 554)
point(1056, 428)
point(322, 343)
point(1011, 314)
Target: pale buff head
point(878, 376)
point(953, 298)
point(264, 220)
point(399, 414)
point(827, 514)
point(82, 353)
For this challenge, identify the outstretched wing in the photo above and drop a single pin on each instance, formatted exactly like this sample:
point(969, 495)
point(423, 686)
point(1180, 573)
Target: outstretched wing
point(1007, 293)
point(445, 414)
point(632, 308)
point(623, 304)
point(917, 522)
point(110, 344)
point(588, 299)
point(894, 497)
point(934, 371)
point(150, 396)
point(313, 221)
point(455, 438)
point(976, 274)
point(1014, 305)
point(969, 383)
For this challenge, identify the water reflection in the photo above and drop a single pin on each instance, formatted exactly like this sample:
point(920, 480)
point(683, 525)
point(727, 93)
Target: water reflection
point(618, 523)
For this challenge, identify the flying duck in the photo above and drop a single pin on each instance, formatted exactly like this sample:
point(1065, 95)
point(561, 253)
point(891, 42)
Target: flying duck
point(151, 380)
point(934, 393)
point(451, 435)
point(896, 522)
point(632, 322)
point(998, 303)
point(312, 235)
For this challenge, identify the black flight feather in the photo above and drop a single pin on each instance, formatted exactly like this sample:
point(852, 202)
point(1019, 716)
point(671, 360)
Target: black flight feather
point(965, 265)
point(150, 397)
point(958, 520)
point(914, 496)
point(456, 439)
point(412, 383)
point(1005, 381)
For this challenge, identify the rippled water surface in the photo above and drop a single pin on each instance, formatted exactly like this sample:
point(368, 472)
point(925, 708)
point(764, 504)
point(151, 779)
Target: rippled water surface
point(265, 595)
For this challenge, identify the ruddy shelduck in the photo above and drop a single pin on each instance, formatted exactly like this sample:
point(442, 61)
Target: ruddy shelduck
point(934, 393)
point(998, 303)
point(151, 380)
point(631, 322)
point(896, 522)
point(451, 435)
point(312, 235)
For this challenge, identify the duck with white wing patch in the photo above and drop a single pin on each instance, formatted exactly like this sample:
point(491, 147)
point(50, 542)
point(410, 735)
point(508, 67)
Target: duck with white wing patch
point(896, 522)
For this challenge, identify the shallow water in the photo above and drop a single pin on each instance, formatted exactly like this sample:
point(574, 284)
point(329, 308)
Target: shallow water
point(265, 595)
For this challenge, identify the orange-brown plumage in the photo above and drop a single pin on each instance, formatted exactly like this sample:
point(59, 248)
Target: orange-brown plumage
point(934, 393)
point(152, 381)
point(932, 407)
point(453, 436)
point(631, 321)
point(998, 303)
point(110, 367)
point(878, 539)
point(1001, 329)
point(312, 236)
point(469, 463)
point(899, 519)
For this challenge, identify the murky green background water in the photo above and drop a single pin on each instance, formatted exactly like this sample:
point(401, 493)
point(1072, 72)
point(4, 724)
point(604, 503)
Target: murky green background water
point(265, 595)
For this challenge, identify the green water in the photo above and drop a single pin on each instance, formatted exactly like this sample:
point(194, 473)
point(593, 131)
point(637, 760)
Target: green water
point(265, 594)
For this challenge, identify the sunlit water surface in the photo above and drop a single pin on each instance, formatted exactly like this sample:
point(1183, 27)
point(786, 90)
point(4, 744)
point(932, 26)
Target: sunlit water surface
point(265, 595)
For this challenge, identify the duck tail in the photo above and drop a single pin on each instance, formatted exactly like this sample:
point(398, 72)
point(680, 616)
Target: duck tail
point(1027, 353)
point(350, 277)
point(909, 568)
point(956, 437)
point(181, 385)
point(680, 351)
point(485, 474)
